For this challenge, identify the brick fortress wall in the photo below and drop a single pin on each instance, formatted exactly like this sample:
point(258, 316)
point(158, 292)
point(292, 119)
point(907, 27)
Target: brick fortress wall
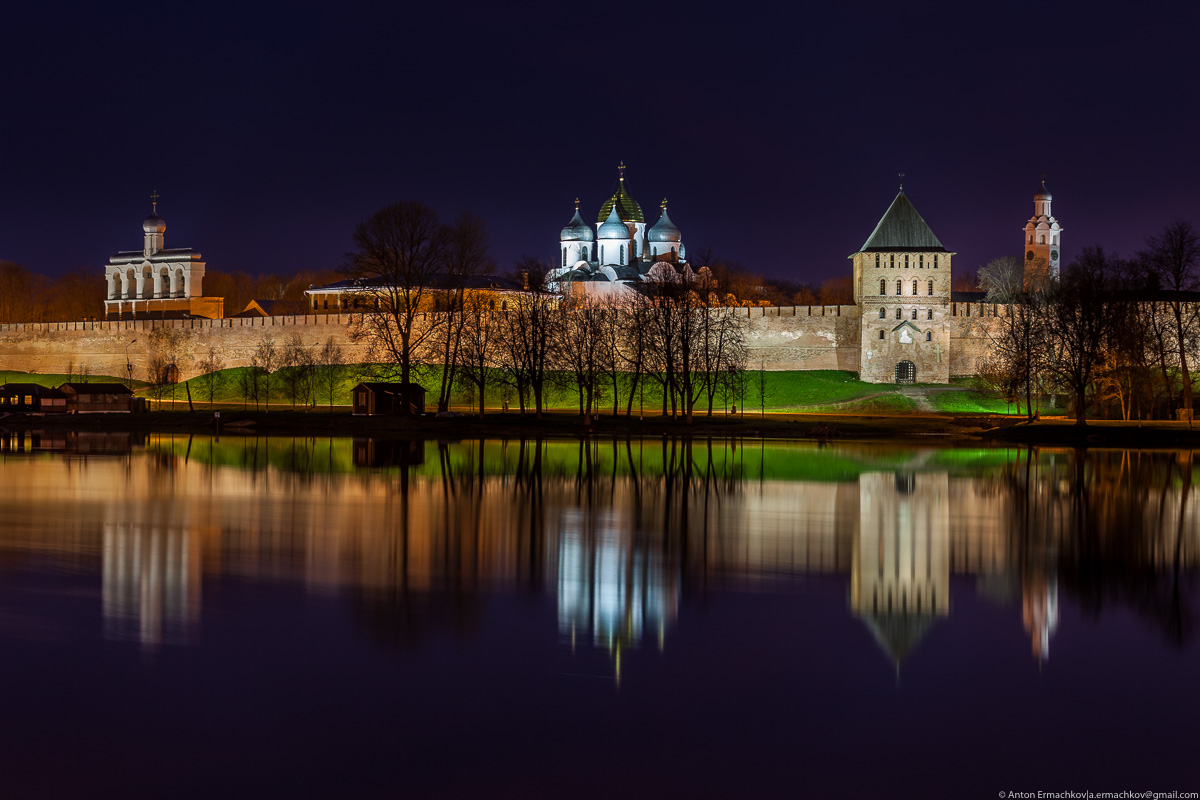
point(787, 338)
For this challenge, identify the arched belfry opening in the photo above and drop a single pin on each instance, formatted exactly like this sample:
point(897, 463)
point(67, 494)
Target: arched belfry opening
point(906, 372)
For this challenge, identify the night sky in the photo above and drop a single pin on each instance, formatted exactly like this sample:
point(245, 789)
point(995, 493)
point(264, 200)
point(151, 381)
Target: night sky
point(776, 133)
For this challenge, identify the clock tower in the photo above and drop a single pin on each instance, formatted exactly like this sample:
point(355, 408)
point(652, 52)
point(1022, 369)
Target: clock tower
point(1043, 236)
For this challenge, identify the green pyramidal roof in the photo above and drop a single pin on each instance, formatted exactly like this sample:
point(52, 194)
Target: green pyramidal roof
point(627, 208)
point(902, 228)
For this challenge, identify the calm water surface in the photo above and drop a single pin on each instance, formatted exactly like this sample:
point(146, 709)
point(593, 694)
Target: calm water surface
point(297, 617)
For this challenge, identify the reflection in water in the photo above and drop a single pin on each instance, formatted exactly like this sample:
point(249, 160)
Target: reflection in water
point(620, 533)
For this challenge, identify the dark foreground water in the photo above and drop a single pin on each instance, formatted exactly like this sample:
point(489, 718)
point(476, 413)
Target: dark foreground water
point(295, 617)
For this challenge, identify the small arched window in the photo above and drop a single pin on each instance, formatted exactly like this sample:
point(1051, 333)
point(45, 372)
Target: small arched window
point(935, 262)
point(1031, 238)
point(881, 333)
point(929, 314)
point(564, 256)
point(585, 254)
point(622, 255)
point(899, 313)
point(892, 259)
point(914, 288)
point(1042, 239)
point(899, 288)
point(877, 261)
point(929, 336)
point(882, 312)
point(914, 313)
point(931, 288)
point(882, 286)
point(906, 261)
point(921, 261)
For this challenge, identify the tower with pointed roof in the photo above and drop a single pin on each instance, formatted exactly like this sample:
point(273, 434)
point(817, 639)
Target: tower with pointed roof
point(1043, 236)
point(902, 288)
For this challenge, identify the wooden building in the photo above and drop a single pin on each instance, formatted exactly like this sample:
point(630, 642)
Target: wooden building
point(389, 398)
point(98, 398)
point(31, 398)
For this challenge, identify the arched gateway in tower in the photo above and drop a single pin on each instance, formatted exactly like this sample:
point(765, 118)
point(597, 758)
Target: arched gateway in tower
point(902, 288)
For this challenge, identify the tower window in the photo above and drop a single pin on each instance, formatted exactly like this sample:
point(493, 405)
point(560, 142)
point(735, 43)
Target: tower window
point(601, 254)
point(906, 261)
point(899, 313)
point(882, 287)
point(921, 261)
point(881, 334)
point(929, 336)
point(914, 313)
point(585, 254)
point(929, 314)
point(877, 261)
point(882, 312)
point(899, 287)
point(622, 255)
point(935, 262)
point(892, 258)
point(1042, 239)
point(564, 256)
point(930, 290)
point(1031, 238)
point(914, 288)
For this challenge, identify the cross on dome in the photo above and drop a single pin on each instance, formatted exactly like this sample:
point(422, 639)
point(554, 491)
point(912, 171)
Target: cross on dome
point(154, 200)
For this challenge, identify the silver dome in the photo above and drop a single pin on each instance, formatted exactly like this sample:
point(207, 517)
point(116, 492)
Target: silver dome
point(154, 224)
point(1043, 193)
point(576, 231)
point(612, 228)
point(664, 230)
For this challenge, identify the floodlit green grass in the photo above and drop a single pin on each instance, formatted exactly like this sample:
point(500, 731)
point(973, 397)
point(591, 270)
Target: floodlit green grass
point(884, 404)
point(54, 379)
point(970, 401)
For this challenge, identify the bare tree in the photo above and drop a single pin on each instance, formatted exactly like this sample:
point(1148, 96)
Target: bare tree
point(480, 344)
point(1081, 310)
point(467, 258)
point(299, 362)
point(210, 367)
point(265, 360)
point(1020, 348)
point(400, 249)
point(530, 333)
point(168, 356)
point(331, 361)
point(1172, 263)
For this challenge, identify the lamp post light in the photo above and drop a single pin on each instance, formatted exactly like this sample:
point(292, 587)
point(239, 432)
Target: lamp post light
point(129, 367)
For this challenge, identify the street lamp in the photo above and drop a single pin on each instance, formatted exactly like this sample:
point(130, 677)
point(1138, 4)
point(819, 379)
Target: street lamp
point(129, 367)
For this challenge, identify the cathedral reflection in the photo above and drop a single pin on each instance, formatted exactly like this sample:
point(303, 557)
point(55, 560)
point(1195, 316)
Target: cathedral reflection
point(619, 536)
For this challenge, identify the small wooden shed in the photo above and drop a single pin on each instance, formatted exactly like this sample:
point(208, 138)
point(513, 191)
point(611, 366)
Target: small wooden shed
point(97, 398)
point(389, 398)
point(31, 398)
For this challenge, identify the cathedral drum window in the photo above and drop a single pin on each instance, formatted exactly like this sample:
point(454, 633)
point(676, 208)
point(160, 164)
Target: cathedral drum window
point(883, 287)
point(914, 288)
point(931, 290)
point(899, 288)
point(929, 336)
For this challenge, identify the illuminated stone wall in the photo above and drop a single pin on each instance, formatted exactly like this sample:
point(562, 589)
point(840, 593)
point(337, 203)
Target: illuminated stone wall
point(789, 338)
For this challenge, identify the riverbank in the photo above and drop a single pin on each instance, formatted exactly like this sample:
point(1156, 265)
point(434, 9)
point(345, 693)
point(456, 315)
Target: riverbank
point(820, 427)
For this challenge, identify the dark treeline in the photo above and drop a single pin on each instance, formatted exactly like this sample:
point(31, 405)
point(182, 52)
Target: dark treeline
point(1116, 335)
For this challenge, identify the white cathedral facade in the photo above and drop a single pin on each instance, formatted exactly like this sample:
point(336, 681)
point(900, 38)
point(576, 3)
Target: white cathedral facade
point(621, 252)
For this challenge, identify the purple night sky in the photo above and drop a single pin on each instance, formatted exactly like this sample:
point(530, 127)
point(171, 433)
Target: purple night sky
point(776, 133)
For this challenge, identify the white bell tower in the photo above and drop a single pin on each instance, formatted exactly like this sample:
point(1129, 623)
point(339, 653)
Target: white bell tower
point(1043, 235)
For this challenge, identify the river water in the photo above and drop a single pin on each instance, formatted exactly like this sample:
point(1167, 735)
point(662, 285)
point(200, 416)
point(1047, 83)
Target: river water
point(295, 617)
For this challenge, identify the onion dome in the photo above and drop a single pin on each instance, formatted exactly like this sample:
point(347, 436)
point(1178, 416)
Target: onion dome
point(154, 224)
point(664, 230)
point(627, 208)
point(577, 230)
point(612, 228)
point(1043, 193)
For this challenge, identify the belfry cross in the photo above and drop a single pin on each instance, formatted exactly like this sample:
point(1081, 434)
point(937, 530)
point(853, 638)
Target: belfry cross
point(154, 200)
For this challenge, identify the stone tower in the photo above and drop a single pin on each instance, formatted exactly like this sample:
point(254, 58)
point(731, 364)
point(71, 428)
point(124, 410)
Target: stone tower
point(1043, 235)
point(902, 288)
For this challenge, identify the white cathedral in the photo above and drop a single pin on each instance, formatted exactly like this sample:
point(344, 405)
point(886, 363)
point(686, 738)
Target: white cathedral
point(621, 253)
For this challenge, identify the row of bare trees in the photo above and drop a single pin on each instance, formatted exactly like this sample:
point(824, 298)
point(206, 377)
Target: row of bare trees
point(427, 311)
point(1108, 331)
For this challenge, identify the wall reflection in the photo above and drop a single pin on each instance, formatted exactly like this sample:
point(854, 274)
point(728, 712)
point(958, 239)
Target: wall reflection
point(621, 534)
